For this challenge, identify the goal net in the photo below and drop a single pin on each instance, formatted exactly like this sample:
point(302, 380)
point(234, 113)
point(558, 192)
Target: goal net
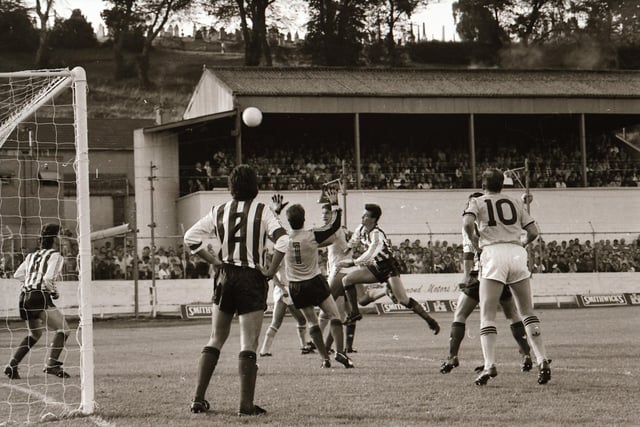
point(44, 179)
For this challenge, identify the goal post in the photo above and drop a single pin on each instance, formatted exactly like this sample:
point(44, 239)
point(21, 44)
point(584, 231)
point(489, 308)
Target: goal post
point(51, 107)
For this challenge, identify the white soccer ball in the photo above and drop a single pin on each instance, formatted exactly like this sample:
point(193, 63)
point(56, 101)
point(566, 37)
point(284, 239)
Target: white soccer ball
point(252, 117)
point(48, 417)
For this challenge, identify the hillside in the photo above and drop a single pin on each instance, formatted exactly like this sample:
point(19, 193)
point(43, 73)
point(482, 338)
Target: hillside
point(174, 73)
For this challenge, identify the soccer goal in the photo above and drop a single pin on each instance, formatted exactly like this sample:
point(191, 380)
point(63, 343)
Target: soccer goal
point(44, 178)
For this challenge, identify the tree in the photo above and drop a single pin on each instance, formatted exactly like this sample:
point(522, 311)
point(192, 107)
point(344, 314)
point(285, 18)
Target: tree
point(391, 13)
point(73, 33)
point(122, 20)
point(611, 21)
point(336, 31)
point(482, 21)
point(16, 30)
point(43, 8)
point(129, 18)
point(257, 50)
point(155, 14)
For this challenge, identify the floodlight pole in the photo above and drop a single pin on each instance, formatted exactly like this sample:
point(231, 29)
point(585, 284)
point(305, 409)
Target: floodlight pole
point(152, 226)
point(344, 192)
point(526, 184)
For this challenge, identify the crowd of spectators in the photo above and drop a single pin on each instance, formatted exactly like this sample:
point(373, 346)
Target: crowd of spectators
point(388, 167)
point(567, 256)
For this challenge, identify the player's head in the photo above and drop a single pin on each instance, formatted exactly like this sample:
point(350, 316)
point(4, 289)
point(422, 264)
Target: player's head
point(371, 215)
point(492, 180)
point(243, 183)
point(48, 235)
point(374, 210)
point(474, 195)
point(295, 216)
point(326, 212)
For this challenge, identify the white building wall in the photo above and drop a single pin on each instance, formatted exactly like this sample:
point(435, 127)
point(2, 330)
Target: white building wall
point(209, 97)
point(161, 150)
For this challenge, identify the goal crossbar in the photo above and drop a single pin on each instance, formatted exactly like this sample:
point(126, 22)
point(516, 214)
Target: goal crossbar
point(63, 79)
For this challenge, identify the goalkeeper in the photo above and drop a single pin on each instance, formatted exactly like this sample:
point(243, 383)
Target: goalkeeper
point(467, 302)
point(38, 273)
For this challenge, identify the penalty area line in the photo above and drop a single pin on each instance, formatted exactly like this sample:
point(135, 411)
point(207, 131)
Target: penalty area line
point(97, 420)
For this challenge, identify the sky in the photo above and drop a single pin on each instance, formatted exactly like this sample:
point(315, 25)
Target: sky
point(436, 19)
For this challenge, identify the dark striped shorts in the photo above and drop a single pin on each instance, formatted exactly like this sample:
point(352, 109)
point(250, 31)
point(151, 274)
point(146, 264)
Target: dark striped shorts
point(240, 289)
point(33, 303)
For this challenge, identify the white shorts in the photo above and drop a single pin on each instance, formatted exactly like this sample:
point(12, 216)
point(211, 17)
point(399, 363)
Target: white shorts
point(337, 270)
point(504, 262)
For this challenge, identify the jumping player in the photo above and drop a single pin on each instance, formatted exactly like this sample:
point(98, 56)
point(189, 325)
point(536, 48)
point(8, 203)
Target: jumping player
point(337, 251)
point(307, 286)
point(499, 220)
point(467, 302)
point(377, 265)
point(282, 301)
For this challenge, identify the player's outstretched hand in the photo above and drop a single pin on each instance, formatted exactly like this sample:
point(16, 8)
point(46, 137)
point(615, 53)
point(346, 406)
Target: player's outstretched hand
point(332, 196)
point(278, 203)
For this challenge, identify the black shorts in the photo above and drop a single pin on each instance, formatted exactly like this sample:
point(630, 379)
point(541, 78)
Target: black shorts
point(473, 291)
point(240, 289)
point(384, 269)
point(33, 303)
point(309, 293)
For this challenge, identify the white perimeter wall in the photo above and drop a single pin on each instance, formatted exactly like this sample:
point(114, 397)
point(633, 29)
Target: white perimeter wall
point(610, 211)
point(117, 297)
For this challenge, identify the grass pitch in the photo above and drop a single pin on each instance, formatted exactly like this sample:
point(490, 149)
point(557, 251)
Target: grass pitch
point(145, 376)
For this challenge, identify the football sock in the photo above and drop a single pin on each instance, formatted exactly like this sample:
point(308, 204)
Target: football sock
point(323, 321)
point(338, 336)
point(302, 335)
point(350, 332)
point(417, 308)
point(316, 337)
point(520, 335)
point(455, 337)
point(57, 344)
point(532, 326)
point(248, 370)
point(22, 350)
point(206, 366)
point(328, 342)
point(352, 296)
point(488, 339)
point(268, 339)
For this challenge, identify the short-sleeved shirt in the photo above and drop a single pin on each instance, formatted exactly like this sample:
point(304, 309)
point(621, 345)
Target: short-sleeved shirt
point(242, 228)
point(499, 217)
point(378, 245)
point(301, 258)
point(339, 249)
point(40, 269)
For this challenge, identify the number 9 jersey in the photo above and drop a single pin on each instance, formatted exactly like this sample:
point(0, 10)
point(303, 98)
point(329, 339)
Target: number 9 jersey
point(499, 217)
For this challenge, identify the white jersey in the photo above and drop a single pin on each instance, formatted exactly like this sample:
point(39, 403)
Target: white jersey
point(467, 247)
point(499, 217)
point(339, 249)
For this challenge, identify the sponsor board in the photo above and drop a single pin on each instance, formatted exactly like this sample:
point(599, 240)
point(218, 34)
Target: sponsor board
point(436, 306)
point(203, 311)
point(601, 300)
point(195, 311)
point(634, 299)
